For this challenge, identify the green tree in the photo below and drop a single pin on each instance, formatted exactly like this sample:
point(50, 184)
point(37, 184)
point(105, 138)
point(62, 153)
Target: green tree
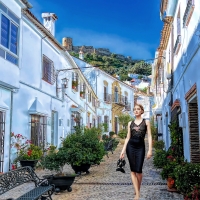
point(124, 119)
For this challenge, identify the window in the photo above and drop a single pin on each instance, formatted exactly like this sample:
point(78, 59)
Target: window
point(116, 95)
point(82, 90)
point(99, 121)
point(188, 12)
point(48, 70)
point(93, 122)
point(75, 81)
point(178, 23)
point(90, 97)
point(106, 123)
point(76, 120)
point(9, 35)
point(126, 100)
point(105, 94)
point(2, 133)
point(93, 101)
point(38, 130)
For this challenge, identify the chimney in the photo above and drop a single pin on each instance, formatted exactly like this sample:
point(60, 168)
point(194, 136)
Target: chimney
point(49, 20)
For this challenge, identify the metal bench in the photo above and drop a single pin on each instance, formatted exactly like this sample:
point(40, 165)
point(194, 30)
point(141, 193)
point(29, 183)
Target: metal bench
point(109, 147)
point(9, 180)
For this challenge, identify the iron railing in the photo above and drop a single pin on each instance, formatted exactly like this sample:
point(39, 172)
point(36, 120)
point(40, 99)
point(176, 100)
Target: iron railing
point(128, 107)
point(118, 99)
point(107, 97)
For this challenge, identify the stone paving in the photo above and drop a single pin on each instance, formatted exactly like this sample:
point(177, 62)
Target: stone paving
point(105, 183)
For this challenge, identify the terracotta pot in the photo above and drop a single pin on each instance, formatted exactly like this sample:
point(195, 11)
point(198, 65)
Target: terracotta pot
point(170, 182)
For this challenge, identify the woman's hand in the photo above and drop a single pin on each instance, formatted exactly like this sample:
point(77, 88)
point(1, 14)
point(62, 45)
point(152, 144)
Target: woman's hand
point(149, 154)
point(122, 155)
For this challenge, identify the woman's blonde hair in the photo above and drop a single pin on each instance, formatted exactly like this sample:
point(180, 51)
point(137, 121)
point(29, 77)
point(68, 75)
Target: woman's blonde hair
point(141, 107)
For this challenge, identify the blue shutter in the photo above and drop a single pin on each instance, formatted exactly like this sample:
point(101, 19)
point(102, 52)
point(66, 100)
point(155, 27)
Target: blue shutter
point(13, 41)
point(5, 26)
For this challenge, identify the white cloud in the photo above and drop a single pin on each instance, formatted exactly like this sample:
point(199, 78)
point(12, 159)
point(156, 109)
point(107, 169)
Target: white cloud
point(115, 43)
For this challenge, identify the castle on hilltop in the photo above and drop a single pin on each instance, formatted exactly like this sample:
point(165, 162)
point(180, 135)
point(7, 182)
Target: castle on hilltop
point(68, 44)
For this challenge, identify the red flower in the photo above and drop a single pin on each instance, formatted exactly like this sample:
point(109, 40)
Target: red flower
point(14, 167)
point(29, 152)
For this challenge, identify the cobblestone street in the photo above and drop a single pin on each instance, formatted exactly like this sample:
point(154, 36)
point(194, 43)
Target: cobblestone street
point(104, 182)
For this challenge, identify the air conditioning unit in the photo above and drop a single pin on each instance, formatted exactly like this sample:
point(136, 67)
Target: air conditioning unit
point(182, 121)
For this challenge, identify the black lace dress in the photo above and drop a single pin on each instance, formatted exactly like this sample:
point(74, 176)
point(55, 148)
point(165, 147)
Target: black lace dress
point(135, 149)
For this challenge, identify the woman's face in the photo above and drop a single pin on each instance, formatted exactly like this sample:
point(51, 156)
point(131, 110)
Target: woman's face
point(138, 111)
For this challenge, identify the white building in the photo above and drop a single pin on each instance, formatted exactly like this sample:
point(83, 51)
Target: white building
point(176, 74)
point(114, 96)
point(42, 91)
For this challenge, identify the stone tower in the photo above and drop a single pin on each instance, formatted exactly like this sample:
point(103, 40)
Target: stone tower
point(67, 43)
point(49, 22)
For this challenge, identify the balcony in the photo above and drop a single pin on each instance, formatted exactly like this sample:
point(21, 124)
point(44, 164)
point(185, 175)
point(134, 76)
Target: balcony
point(118, 99)
point(188, 13)
point(177, 45)
point(107, 97)
point(128, 107)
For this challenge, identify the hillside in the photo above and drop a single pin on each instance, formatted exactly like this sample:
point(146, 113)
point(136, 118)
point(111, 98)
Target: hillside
point(115, 66)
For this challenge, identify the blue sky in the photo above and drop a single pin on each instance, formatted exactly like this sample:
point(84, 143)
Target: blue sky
point(128, 27)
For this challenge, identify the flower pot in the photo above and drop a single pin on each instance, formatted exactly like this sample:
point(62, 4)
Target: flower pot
point(170, 183)
point(82, 168)
point(61, 182)
point(31, 163)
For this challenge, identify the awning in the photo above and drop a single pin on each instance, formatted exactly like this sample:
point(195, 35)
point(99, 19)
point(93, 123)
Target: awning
point(3, 105)
point(79, 109)
point(37, 108)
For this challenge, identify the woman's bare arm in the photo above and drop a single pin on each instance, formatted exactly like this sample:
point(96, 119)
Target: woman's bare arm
point(149, 153)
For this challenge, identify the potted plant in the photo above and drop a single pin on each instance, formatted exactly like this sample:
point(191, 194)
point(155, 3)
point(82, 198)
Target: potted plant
point(83, 149)
point(55, 161)
point(74, 84)
point(27, 154)
point(82, 93)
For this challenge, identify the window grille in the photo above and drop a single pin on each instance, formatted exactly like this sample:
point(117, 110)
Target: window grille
point(38, 130)
point(48, 70)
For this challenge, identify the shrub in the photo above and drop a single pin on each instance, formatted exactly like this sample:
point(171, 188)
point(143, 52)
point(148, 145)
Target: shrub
point(153, 130)
point(168, 170)
point(159, 159)
point(55, 160)
point(194, 194)
point(159, 144)
point(111, 133)
point(83, 147)
point(122, 134)
point(187, 176)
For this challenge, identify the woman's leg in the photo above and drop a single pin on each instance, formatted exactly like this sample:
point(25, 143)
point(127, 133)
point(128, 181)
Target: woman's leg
point(135, 184)
point(139, 178)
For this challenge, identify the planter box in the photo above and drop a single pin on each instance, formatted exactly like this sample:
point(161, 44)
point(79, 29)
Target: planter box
point(31, 163)
point(61, 182)
point(82, 168)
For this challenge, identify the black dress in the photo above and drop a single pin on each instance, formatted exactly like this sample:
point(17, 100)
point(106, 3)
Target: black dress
point(135, 149)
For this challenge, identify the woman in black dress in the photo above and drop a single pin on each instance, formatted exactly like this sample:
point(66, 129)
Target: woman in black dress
point(135, 147)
